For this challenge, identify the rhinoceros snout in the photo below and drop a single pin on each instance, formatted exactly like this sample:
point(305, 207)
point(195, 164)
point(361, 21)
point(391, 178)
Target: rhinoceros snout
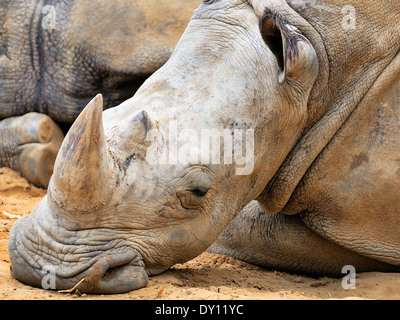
point(115, 270)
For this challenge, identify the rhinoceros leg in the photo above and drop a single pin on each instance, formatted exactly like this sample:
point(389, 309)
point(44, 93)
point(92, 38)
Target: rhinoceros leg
point(29, 144)
point(284, 243)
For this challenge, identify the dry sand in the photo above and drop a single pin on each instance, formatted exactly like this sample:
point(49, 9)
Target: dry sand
point(209, 276)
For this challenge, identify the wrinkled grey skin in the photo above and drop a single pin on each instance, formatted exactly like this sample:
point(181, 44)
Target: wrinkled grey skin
point(323, 193)
point(55, 56)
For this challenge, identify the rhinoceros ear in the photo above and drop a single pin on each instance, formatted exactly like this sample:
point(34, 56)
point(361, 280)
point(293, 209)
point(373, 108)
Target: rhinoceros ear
point(295, 55)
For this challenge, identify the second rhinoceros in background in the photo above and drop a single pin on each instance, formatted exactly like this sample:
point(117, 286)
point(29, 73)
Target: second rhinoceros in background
point(55, 56)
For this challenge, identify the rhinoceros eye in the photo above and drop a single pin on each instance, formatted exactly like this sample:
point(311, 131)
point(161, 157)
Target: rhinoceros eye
point(195, 187)
point(199, 192)
point(192, 198)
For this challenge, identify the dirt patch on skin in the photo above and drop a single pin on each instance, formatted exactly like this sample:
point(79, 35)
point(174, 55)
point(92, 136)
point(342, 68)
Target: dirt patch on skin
point(209, 276)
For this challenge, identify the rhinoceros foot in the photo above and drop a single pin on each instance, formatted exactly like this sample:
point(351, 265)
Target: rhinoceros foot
point(29, 144)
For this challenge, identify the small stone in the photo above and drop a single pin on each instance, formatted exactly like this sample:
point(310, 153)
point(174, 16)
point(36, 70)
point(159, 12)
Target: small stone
point(298, 280)
point(318, 283)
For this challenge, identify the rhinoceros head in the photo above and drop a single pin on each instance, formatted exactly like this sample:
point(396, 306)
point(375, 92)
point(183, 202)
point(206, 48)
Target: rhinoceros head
point(153, 181)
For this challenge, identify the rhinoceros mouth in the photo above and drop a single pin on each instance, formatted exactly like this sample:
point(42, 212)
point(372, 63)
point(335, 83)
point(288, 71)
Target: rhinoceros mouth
point(110, 267)
point(116, 272)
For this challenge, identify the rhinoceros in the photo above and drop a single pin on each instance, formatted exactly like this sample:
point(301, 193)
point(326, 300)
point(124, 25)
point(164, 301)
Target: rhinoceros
point(310, 88)
point(55, 56)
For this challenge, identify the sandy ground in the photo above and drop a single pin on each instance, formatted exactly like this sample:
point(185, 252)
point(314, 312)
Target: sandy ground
point(207, 277)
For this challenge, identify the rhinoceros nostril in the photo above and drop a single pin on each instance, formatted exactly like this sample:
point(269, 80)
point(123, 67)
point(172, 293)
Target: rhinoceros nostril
point(115, 273)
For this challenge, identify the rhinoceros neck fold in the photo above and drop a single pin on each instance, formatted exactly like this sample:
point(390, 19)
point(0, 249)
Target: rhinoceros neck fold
point(279, 190)
point(329, 106)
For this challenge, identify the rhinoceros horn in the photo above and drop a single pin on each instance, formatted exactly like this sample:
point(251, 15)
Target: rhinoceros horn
point(82, 178)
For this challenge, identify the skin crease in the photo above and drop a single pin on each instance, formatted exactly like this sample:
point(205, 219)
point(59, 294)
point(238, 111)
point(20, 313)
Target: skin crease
point(148, 217)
